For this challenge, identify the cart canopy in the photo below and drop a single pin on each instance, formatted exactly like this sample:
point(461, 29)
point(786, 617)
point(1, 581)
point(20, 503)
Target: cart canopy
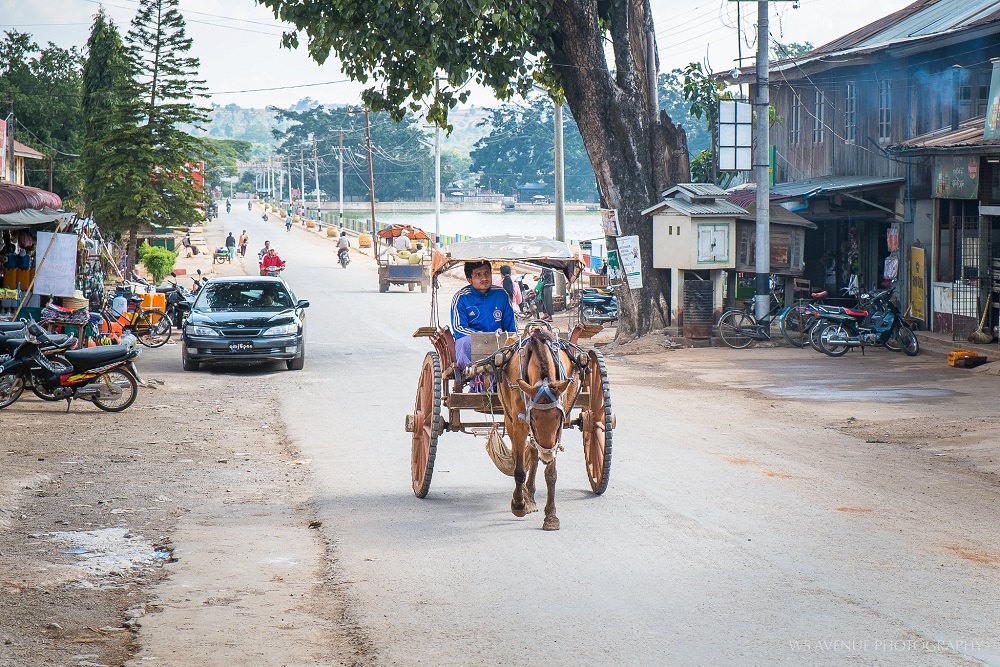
point(538, 250)
point(392, 231)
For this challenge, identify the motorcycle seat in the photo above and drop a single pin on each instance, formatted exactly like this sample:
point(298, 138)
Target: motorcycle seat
point(17, 325)
point(856, 313)
point(819, 295)
point(94, 356)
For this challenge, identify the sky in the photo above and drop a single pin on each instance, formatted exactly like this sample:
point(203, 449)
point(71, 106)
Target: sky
point(242, 61)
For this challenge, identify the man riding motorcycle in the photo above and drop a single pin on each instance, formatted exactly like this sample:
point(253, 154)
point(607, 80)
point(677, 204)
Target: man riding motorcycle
point(271, 263)
point(343, 245)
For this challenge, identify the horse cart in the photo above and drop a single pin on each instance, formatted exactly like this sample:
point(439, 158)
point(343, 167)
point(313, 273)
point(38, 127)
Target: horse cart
point(398, 267)
point(526, 386)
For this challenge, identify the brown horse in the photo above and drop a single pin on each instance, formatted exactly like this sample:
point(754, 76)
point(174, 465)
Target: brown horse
point(537, 394)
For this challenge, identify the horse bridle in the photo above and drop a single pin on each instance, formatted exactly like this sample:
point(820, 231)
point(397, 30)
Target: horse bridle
point(544, 391)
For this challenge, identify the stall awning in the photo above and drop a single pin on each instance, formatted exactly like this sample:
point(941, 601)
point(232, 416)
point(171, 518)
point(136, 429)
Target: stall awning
point(29, 217)
point(14, 198)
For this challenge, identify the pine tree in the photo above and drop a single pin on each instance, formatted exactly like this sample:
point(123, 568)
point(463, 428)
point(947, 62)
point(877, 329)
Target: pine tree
point(164, 87)
point(107, 78)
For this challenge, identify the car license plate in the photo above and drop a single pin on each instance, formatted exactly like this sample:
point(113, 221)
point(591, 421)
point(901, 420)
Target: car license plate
point(240, 347)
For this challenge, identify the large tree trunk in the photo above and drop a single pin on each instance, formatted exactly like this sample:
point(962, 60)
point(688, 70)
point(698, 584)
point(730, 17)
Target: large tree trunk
point(636, 151)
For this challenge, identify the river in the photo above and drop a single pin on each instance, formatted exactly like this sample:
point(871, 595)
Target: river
point(580, 226)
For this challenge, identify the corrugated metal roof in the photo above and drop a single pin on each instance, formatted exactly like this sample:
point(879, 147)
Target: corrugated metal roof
point(696, 209)
point(924, 19)
point(696, 190)
point(814, 186)
point(969, 133)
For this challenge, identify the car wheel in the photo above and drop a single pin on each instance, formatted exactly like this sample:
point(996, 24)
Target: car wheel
point(187, 362)
point(299, 362)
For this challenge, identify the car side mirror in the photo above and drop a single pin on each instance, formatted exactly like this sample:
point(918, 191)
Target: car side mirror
point(303, 303)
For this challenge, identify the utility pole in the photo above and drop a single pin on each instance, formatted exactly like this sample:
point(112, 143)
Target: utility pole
point(437, 177)
point(371, 169)
point(341, 199)
point(762, 267)
point(302, 176)
point(316, 172)
point(560, 285)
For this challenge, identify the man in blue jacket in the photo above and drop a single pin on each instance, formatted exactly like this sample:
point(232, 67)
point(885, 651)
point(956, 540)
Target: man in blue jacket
point(478, 307)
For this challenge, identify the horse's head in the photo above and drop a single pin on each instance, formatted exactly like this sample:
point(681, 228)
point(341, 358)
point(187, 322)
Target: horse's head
point(544, 392)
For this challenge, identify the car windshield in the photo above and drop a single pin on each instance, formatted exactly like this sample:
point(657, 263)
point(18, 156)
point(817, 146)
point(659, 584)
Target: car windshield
point(243, 297)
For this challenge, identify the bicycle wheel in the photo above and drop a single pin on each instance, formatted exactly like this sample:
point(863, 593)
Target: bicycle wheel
point(152, 328)
point(814, 332)
point(792, 326)
point(117, 390)
point(828, 337)
point(734, 328)
point(908, 342)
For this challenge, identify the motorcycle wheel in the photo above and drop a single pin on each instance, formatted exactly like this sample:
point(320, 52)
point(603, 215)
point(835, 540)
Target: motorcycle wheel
point(814, 332)
point(828, 347)
point(117, 390)
point(11, 387)
point(893, 342)
point(45, 394)
point(908, 342)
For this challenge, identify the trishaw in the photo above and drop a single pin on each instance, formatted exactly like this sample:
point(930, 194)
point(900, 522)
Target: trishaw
point(401, 271)
point(503, 392)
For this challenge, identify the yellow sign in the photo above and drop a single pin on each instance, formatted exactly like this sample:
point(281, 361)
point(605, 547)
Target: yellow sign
point(918, 283)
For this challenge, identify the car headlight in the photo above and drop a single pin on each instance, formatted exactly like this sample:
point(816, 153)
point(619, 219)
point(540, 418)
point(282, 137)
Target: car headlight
point(197, 330)
point(282, 330)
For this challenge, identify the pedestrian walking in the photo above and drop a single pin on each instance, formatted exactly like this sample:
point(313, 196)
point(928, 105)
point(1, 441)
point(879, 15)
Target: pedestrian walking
point(231, 245)
point(546, 282)
point(243, 243)
point(186, 243)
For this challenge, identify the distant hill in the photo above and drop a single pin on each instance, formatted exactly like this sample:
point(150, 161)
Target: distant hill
point(255, 125)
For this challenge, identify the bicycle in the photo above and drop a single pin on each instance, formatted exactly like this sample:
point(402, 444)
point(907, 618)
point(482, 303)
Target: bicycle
point(739, 328)
point(151, 327)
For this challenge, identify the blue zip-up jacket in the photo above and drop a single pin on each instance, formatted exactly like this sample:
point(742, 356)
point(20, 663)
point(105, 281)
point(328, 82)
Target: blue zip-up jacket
point(472, 311)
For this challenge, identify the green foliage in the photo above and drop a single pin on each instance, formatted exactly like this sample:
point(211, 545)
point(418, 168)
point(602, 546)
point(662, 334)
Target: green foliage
point(158, 261)
point(671, 97)
point(781, 51)
point(42, 86)
point(701, 167)
point(405, 45)
point(220, 157)
point(703, 92)
point(520, 149)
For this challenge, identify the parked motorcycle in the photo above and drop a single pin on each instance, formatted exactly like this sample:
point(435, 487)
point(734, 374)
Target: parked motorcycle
point(598, 306)
point(179, 302)
point(104, 375)
point(529, 300)
point(880, 325)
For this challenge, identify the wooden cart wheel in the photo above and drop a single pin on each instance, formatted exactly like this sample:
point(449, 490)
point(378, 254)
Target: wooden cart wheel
point(426, 424)
point(598, 425)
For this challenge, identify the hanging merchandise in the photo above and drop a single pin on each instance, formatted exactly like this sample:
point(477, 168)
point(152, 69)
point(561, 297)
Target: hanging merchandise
point(891, 267)
point(892, 238)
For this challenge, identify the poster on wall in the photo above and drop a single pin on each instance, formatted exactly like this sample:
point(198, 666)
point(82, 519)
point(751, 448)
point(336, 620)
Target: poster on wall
point(56, 275)
point(609, 221)
point(614, 268)
point(956, 177)
point(631, 262)
point(918, 297)
point(992, 129)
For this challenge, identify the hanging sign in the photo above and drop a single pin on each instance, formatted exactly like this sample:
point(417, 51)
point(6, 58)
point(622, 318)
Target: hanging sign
point(631, 262)
point(918, 296)
point(956, 177)
point(992, 129)
point(614, 268)
point(56, 275)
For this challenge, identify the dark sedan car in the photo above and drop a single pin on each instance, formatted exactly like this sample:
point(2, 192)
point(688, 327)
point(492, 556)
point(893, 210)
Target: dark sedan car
point(245, 318)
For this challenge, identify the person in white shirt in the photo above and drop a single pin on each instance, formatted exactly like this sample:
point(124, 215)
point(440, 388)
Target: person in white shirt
point(402, 242)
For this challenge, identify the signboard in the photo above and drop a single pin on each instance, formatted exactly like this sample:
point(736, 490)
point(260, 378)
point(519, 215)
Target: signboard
point(735, 136)
point(956, 177)
point(631, 262)
point(609, 221)
point(614, 268)
point(918, 293)
point(56, 275)
point(992, 130)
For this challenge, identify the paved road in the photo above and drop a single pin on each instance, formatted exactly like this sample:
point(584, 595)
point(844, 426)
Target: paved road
point(742, 526)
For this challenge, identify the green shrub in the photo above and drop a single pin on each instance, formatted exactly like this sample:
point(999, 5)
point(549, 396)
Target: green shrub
point(158, 261)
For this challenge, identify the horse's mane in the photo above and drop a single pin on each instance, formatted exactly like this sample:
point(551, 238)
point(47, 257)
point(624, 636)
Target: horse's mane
point(538, 345)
